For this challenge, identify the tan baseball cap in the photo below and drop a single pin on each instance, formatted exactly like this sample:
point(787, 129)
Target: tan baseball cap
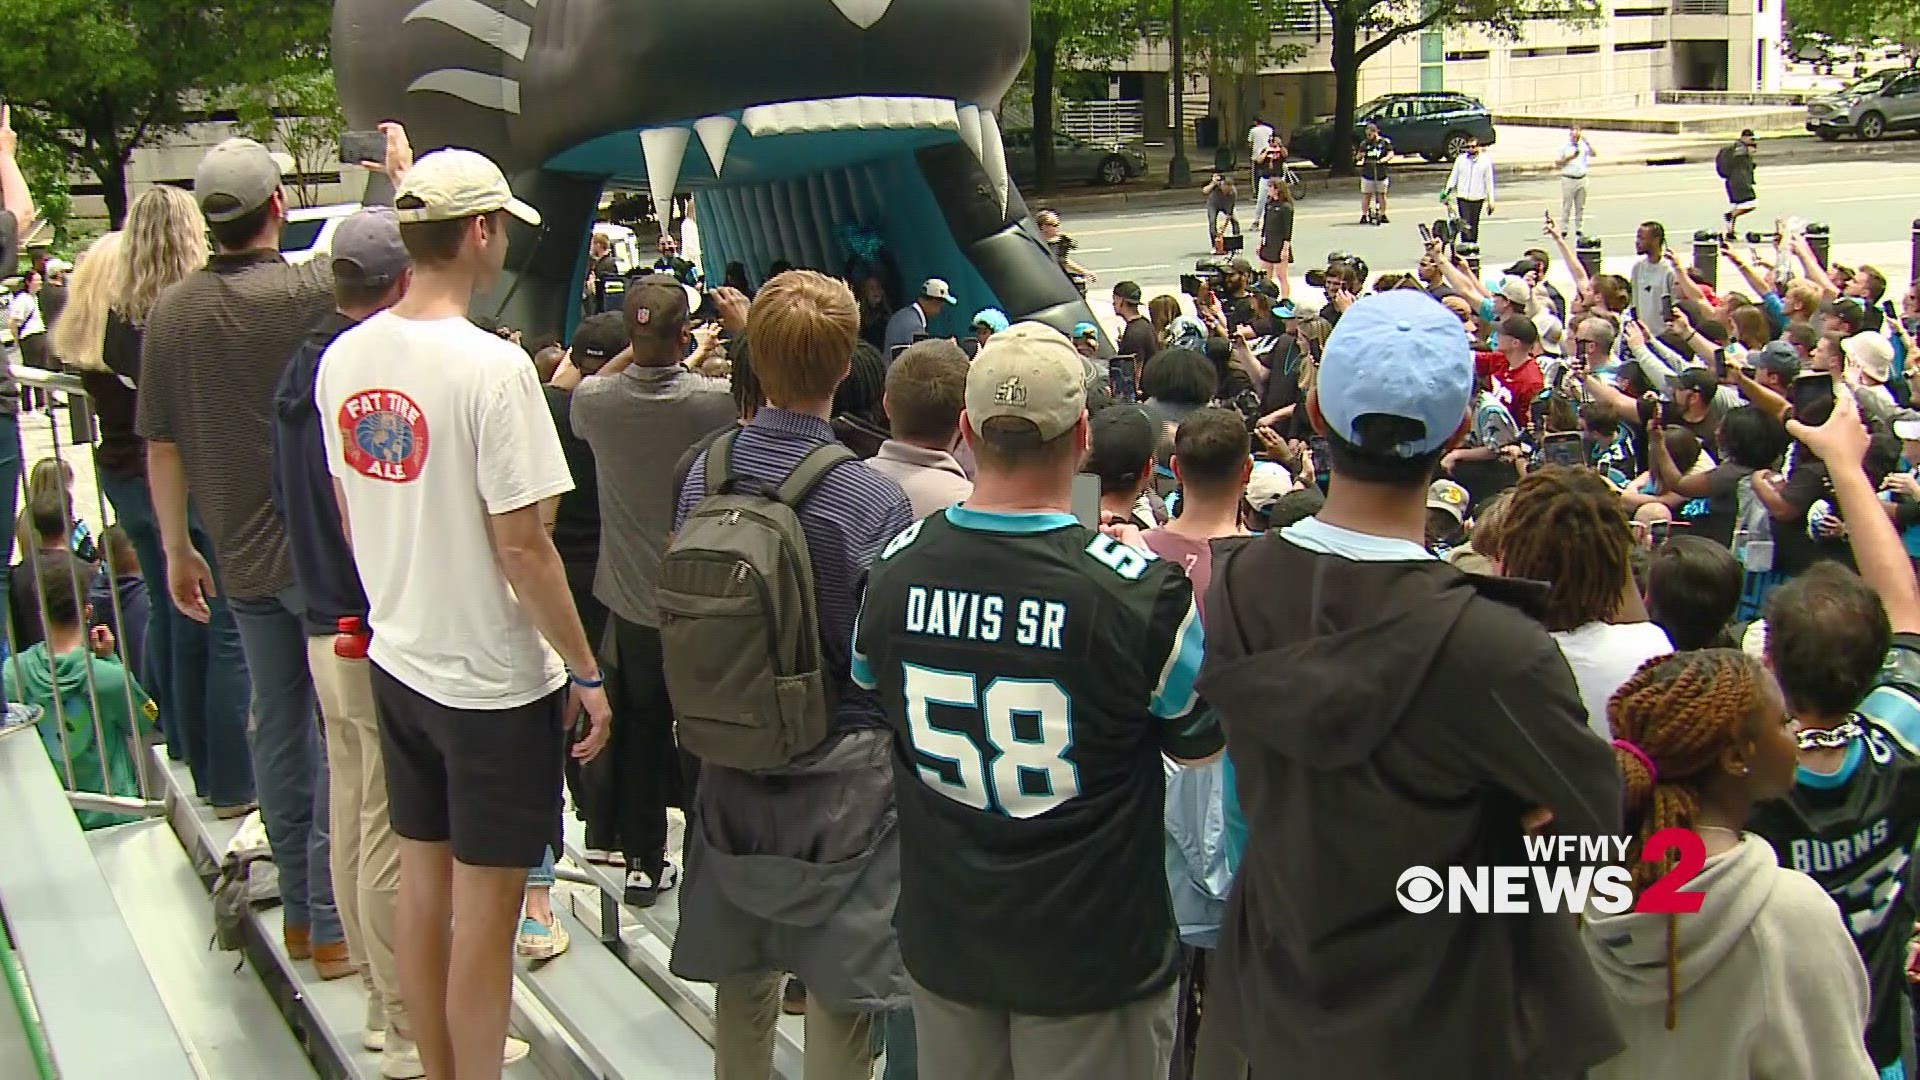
point(447, 185)
point(1030, 371)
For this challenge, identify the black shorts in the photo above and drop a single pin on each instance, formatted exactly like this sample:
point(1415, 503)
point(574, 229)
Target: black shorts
point(488, 781)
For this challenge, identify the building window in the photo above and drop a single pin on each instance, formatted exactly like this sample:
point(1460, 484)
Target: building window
point(1582, 50)
point(1639, 12)
point(1470, 54)
point(1638, 46)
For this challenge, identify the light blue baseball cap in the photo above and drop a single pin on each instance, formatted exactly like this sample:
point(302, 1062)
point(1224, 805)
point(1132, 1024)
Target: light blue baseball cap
point(992, 318)
point(1398, 353)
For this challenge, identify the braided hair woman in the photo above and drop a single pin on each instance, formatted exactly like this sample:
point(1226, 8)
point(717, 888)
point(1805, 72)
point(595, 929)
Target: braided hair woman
point(1763, 981)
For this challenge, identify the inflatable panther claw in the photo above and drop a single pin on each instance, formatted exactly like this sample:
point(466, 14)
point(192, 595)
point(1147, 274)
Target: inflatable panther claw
point(803, 128)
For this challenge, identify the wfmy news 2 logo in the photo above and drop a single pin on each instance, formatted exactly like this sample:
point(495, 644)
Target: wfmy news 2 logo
point(1563, 874)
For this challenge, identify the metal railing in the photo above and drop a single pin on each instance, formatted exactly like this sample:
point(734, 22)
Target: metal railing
point(67, 439)
point(1103, 121)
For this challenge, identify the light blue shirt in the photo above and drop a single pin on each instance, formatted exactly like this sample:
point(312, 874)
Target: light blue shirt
point(1321, 538)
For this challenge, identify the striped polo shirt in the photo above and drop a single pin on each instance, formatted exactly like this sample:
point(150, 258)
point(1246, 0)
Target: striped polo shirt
point(847, 518)
point(216, 343)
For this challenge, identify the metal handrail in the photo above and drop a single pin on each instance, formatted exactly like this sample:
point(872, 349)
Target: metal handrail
point(82, 430)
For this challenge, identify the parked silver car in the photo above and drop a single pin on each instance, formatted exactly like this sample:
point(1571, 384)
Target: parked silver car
point(1884, 101)
point(1075, 159)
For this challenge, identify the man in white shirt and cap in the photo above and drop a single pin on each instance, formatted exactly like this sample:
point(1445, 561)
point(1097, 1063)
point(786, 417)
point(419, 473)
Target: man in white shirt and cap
point(913, 319)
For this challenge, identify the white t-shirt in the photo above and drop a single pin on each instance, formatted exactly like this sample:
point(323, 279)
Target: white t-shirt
point(432, 426)
point(24, 308)
point(1258, 136)
point(1603, 657)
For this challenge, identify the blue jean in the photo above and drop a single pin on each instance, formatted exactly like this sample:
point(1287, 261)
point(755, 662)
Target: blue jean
point(9, 502)
point(290, 758)
point(903, 1046)
point(542, 876)
point(199, 671)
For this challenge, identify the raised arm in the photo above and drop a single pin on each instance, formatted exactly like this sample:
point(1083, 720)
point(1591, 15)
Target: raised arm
point(15, 195)
point(1842, 443)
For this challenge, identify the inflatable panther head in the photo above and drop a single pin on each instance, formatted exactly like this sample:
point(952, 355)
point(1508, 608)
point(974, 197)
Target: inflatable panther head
point(807, 130)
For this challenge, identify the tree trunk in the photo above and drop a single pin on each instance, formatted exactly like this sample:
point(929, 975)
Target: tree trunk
point(113, 183)
point(1045, 55)
point(1346, 91)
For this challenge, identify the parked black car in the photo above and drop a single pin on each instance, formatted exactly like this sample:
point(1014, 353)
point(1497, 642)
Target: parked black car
point(1433, 124)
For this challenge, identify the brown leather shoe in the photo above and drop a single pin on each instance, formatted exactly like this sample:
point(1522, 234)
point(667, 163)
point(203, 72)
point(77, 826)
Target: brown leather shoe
point(299, 940)
point(330, 962)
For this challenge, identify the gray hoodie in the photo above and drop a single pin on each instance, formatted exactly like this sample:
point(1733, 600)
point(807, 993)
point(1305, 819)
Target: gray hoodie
point(1770, 985)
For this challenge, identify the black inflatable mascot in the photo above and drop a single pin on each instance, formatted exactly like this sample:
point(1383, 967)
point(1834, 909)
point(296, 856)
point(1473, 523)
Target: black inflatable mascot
point(806, 129)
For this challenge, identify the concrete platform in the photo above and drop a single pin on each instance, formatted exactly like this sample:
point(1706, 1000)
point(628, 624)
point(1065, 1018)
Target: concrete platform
point(1671, 119)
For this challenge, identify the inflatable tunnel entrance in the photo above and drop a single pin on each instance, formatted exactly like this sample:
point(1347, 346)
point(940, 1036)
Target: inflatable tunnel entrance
point(853, 136)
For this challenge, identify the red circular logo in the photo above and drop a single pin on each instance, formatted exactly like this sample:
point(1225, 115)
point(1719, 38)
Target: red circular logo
point(384, 435)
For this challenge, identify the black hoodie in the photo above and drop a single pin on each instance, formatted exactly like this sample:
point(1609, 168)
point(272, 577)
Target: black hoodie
point(1382, 715)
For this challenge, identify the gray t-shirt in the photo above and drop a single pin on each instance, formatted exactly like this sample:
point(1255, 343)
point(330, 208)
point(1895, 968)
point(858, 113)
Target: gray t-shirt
point(1654, 287)
point(639, 422)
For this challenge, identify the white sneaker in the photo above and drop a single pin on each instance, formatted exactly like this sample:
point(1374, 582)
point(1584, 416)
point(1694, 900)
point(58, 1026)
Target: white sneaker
point(373, 1035)
point(606, 858)
point(643, 891)
point(401, 1060)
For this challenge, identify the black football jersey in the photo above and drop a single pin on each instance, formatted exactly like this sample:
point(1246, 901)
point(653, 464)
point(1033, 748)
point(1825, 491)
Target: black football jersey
point(1034, 672)
point(1854, 832)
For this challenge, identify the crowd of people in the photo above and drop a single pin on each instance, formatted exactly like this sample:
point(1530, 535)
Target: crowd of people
point(1034, 713)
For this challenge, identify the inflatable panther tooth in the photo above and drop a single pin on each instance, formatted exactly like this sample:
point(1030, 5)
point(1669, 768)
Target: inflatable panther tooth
point(812, 132)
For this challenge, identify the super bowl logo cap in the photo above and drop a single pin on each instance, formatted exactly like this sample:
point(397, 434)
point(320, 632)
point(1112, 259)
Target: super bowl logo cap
point(1030, 371)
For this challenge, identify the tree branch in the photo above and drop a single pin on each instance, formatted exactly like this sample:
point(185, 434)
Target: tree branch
point(1387, 37)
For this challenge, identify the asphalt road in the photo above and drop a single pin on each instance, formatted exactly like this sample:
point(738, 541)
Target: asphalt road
point(1869, 204)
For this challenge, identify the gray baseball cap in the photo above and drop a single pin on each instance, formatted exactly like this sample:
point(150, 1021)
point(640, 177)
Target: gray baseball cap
point(369, 241)
point(235, 178)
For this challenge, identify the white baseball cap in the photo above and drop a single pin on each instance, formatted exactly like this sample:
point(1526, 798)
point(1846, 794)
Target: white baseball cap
point(447, 185)
point(936, 289)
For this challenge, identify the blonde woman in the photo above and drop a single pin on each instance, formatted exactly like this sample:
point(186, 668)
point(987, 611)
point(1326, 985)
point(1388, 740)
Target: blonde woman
point(196, 672)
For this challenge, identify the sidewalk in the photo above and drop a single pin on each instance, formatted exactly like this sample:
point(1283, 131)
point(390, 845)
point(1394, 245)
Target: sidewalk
point(1521, 152)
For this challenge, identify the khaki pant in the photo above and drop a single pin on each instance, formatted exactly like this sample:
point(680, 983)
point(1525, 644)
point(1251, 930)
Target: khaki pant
point(366, 854)
point(839, 1045)
point(963, 1042)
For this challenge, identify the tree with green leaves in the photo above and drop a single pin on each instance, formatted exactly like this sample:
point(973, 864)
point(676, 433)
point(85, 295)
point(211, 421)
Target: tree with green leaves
point(1854, 22)
point(299, 109)
point(99, 80)
point(1080, 34)
point(1229, 40)
point(1363, 29)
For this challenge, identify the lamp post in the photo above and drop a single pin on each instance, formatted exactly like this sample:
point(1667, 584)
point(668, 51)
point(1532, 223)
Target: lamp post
point(1179, 173)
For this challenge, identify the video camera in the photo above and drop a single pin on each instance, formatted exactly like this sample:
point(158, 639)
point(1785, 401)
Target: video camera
point(1211, 271)
point(1349, 264)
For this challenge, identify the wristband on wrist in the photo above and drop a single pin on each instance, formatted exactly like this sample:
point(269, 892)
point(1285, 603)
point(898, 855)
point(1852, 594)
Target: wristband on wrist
point(587, 684)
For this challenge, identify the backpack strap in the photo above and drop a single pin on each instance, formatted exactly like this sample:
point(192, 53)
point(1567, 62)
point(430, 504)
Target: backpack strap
point(807, 475)
point(720, 463)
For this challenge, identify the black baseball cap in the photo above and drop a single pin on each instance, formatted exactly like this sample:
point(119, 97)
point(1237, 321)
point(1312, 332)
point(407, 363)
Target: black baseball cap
point(1523, 268)
point(600, 338)
point(1123, 439)
point(1265, 287)
point(1698, 380)
point(1848, 308)
point(1128, 291)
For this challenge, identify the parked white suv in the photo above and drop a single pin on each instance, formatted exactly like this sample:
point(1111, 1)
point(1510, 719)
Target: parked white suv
point(310, 230)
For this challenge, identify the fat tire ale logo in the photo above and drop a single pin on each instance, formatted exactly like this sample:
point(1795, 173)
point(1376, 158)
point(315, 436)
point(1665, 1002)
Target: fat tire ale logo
point(383, 435)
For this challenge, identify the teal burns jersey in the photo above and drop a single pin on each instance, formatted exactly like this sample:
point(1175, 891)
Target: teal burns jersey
point(1034, 673)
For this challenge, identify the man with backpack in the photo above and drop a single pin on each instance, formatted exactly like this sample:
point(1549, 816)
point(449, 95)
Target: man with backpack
point(1734, 163)
point(793, 864)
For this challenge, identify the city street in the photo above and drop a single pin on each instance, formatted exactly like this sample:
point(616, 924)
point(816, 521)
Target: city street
point(1870, 206)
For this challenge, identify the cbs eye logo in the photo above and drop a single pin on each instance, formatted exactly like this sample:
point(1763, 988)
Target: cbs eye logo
point(1419, 890)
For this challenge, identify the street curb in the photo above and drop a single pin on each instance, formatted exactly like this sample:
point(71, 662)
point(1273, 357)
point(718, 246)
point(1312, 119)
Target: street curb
point(1775, 150)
